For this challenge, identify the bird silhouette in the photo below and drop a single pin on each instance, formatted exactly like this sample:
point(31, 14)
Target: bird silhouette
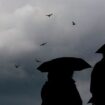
point(49, 15)
point(37, 60)
point(43, 44)
point(17, 66)
point(73, 23)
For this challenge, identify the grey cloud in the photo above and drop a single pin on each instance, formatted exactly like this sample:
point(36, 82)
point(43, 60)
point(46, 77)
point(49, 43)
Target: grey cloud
point(24, 26)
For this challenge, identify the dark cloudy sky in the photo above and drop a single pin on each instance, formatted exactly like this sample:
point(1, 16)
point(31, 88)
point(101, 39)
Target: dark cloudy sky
point(24, 26)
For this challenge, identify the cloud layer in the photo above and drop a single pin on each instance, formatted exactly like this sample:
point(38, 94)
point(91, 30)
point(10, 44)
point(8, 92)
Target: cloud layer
point(24, 26)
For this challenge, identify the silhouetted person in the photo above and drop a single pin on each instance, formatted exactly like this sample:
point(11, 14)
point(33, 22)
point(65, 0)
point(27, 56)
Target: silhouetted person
point(60, 88)
point(97, 87)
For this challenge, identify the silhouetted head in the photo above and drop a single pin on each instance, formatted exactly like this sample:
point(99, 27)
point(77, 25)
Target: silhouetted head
point(63, 75)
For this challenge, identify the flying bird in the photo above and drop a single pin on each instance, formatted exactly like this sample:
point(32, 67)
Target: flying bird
point(17, 66)
point(49, 15)
point(73, 23)
point(37, 60)
point(43, 44)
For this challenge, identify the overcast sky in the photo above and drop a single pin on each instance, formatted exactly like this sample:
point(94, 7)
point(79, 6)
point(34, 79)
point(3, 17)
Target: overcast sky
point(24, 26)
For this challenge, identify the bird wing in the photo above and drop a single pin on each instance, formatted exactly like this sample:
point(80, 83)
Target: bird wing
point(43, 44)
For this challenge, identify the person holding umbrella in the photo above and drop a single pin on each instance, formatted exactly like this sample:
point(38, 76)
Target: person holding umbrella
point(97, 86)
point(60, 87)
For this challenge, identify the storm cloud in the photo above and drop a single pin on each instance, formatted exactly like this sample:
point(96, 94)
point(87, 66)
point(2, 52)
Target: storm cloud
point(24, 26)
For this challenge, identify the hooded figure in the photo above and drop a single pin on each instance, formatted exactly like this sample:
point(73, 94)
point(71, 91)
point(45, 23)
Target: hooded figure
point(97, 86)
point(60, 87)
point(57, 90)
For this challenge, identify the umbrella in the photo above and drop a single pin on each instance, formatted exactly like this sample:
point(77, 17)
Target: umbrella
point(101, 50)
point(66, 63)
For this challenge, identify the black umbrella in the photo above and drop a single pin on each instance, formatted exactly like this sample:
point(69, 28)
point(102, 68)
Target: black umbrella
point(72, 63)
point(101, 50)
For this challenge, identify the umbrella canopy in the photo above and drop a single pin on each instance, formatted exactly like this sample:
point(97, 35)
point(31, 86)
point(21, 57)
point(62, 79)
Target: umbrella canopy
point(101, 50)
point(64, 63)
